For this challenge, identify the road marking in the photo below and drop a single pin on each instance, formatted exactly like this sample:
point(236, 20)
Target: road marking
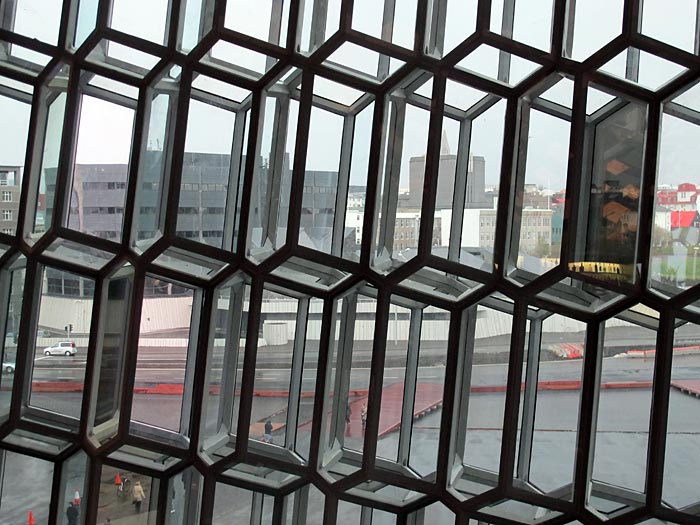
point(40, 358)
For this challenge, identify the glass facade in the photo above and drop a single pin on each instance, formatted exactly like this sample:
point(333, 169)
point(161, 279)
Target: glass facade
point(350, 261)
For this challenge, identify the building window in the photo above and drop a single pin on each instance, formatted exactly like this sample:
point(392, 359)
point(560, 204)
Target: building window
point(6, 215)
point(6, 196)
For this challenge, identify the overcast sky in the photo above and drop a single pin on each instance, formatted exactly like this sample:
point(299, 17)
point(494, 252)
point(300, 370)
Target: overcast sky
point(105, 129)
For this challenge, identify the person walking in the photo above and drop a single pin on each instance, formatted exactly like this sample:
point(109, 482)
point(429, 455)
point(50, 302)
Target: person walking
point(267, 437)
point(363, 416)
point(138, 495)
point(72, 514)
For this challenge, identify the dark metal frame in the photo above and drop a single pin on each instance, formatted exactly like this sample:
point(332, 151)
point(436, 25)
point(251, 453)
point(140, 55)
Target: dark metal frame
point(338, 279)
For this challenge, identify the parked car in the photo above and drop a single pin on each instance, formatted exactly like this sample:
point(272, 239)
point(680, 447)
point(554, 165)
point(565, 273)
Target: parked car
point(8, 367)
point(66, 348)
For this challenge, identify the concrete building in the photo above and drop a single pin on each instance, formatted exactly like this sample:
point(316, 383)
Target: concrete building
point(10, 186)
point(475, 188)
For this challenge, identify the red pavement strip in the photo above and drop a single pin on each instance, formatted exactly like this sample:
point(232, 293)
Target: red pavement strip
point(688, 386)
point(177, 389)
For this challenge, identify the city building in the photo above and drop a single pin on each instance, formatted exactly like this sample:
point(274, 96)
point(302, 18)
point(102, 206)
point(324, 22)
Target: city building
point(10, 186)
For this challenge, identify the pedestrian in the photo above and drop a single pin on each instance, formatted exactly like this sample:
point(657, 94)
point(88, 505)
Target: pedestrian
point(267, 437)
point(363, 416)
point(348, 413)
point(137, 496)
point(72, 514)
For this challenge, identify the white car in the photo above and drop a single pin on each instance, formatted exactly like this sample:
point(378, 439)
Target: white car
point(66, 348)
point(8, 367)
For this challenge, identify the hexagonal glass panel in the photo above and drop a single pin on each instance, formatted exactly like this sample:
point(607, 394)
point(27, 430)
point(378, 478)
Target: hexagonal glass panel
point(363, 63)
point(622, 435)
point(496, 64)
point(44, 172)
point(405, 144)
point(466, 201)
point(121, 58)
point(547, 445)
point(270, 196)
point(347, 381)
point(100, 175)
point(592, 25)
point(16, 108)
point(681, 433)
point(118, 488)
point(115, 302)
point(26, 486)
point(676, 231)
point(169, 322)
point(12, 285)
point(540, 196)
point(227, 343)
point(155, 161)
point(212, 168)
point(643, 68)
point(59, 353)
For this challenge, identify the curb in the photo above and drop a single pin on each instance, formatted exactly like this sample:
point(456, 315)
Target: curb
point(178, 389)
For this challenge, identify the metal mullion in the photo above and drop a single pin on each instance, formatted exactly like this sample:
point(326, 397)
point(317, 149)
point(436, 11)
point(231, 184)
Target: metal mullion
point(435, 30)
point(170, 197)
point(681, 112)
point(343, 367)
point(576, 177)
point(376, 159)
point(375, 380)
point(527, 422)
point(342, 189)
point(256, 507)
point(551, 108)
point(388, 19)
point(389, 199)
point(516, 197)
point(234, 175)
point(588, 413)
point(214, 100)
point(298, 173)
point(64, 168)
point(229, 364)
point(658, 419)
point(332, 106)
point(482, 106)
point(512, 398)
point(251, 172)
point(432, 167)
point(17, 95)
point(330, 509)
point(569, 23)
point(296, 372)
point(317, 32)
point(129, 363)
point(300, 506)
point(409, 389)
point(632, 64)
point(275, 168)
point(322, 401)
point(29, 318)
point(696, 40)
point(249, 365)
point(483, 16)
point(196, 346)
point(507, 24)
point(365, 515)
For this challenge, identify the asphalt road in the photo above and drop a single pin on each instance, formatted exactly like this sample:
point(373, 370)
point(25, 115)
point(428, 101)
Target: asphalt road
point(167, 365)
